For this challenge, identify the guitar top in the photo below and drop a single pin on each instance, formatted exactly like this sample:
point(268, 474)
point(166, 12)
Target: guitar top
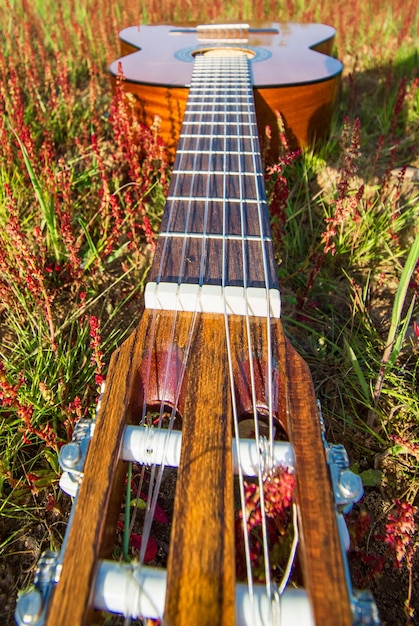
point(292, 74)
point(281, 54)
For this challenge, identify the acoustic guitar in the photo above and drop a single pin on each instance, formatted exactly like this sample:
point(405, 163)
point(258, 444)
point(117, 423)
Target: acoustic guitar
point(208, 382)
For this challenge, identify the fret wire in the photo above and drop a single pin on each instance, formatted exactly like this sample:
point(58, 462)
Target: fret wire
point(230, 78)
point(206, 235)
point(212, 71)
point(215, 152)
point(197, 135)
point(181, 268)
point(220, 97)
point(219, 173)
point(242, 101)
point(229, 81)
point(195, 97)
point(215, 208)
point(238, 125)
point(180, 205)
point(210, 112)
point(242, 94)
point(223, 91)
point(204, 198)
point(213, 67)
point(224, 88)
point(165, 240)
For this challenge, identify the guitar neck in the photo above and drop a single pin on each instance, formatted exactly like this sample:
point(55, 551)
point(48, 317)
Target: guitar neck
point(215, 231)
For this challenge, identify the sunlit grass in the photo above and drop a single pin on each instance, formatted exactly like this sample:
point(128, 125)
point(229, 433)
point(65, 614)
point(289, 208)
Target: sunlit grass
point(81, 197)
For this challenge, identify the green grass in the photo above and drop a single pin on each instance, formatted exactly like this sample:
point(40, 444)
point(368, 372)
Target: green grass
point(82, 192)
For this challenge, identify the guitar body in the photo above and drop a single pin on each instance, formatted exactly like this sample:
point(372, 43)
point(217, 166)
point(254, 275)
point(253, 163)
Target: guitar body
point(293, 74)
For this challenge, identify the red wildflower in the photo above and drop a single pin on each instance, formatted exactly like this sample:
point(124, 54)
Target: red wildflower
point(151, 550)
point(410, 447)
point(159, 514)
point(400, 528)
point(278, 197)
point(97, 354)
point(52, 505)
point(278, 489)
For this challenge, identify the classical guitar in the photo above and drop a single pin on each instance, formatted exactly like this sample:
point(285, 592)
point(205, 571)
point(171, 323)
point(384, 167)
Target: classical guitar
point(209, 383)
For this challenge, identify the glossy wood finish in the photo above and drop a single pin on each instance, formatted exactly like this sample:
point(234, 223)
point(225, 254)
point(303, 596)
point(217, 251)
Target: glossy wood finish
point(201, 571)
point(299, 79)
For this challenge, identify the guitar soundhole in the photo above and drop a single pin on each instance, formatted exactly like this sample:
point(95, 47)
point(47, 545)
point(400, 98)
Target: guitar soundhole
point(224, 51)
point(254, 54)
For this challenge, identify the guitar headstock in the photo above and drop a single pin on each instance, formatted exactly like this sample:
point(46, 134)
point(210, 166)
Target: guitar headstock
point(205, 501)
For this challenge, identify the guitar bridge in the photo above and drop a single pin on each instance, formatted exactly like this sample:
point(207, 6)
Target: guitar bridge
point(223, 33)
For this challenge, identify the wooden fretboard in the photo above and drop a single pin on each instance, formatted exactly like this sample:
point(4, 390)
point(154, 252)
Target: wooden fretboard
point(215, 229)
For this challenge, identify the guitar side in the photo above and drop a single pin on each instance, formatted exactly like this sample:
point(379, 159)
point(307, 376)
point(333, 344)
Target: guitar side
point(298, 78)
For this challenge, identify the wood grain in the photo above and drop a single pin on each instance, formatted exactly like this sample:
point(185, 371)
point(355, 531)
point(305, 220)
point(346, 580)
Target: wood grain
point(201, 560)
point(306, 112)
point(201, 567)
point(92, 533)
point(320, 547)
point(215, 227)
point(203, 581)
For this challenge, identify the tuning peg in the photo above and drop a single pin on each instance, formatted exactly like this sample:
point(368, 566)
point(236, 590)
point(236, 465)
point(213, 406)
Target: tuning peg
point(29, 608)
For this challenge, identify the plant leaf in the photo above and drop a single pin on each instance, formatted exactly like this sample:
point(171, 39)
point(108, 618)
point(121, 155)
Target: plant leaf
point(359, 373)
point(151, 550)
point(139, 503)
point(371, 477)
